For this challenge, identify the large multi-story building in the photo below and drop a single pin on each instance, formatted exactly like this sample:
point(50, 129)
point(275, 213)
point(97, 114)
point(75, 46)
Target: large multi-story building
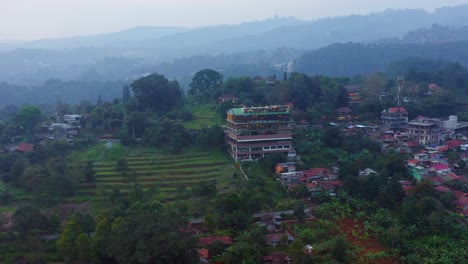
point(255, 132)
point(424, 130)
point(394, 117)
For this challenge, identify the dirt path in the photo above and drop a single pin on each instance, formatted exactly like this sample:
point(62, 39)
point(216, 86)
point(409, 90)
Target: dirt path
point(355, 234)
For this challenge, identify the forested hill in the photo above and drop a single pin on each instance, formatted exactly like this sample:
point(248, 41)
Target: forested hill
point(139, 51)
point(436, 34)
point(354, 58)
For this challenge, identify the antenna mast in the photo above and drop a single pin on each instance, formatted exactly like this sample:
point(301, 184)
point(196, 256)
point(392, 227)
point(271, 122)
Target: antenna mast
point(400, 87)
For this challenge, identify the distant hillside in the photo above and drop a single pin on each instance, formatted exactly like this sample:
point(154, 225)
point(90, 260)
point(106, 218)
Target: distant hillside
point(134, 52)
point(352, 58)
point(436, 34)
point(116, 39)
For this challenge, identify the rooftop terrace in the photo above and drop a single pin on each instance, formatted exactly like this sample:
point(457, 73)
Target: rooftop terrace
point(261, 110)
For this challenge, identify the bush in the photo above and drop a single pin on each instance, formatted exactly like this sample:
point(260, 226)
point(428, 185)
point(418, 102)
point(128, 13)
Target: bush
point(5, 195)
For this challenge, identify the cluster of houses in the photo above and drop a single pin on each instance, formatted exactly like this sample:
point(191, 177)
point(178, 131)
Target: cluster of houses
point(428, 140)
point(279, 234)
point(432, 165)
point(67, 128)
point(317, 180)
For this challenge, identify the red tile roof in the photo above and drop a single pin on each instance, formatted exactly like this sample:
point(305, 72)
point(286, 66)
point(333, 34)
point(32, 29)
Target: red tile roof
point(407, 189)
point(442, 189)
point(204, 253)
point(396, 109)
point(413, 161)
point(459, 195)
point(440, 166)
point(337, 183)
point(315, 172)
point(436, 179)
point(453, 176)
point(412, 144)
point(25, 147)
point(327, 185)
point(453, 143)
point(462, 201)
point(206, 241)
point(433, 86)
point(443, 148)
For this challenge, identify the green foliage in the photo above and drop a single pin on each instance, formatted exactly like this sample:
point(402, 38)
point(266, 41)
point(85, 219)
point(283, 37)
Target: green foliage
point(205, 189)
point(437, 249)
point(206, 84)
point(339, 250)
point(169, 135)
point(250, 246)
point(83, 244)
point(28, 117)
point(5, 194)
point(28, 218)
point(333, 210)
point(183, 114)
point(299, 211)
point(125, 94)
point(67, 243)
point(164, 241)
point(210, 137)
point(155, 92)
point(89, 171)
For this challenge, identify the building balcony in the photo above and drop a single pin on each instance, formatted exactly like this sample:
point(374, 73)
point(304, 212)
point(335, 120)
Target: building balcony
point(259, 137)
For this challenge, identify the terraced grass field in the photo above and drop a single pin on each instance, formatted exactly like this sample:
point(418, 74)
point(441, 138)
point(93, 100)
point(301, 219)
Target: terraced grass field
point(165, 172)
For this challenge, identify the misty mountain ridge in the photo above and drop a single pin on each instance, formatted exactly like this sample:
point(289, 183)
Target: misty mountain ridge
point(132, 52)
point(334, 29)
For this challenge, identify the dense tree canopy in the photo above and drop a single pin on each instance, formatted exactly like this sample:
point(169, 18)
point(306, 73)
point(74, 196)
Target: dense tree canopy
point(206, 84)
point(29, 116)
point(164, 241)
point(155, 92)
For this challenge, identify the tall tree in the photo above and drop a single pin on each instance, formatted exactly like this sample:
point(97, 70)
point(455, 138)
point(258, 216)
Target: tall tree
point(67, 242)
point(152, 235)
point(126, 94)
point(206, 84)
point(156, 93)
point(27, 218)
point(28, 117)
point(169, 134)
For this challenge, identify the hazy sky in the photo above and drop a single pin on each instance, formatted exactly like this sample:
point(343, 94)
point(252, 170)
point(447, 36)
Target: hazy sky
point(33, 19)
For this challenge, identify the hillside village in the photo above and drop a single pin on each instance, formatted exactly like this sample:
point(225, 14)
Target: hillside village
point(309, 169)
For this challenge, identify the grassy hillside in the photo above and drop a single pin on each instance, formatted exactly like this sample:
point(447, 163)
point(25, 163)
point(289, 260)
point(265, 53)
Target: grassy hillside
point(170, 175)
point(204, 115)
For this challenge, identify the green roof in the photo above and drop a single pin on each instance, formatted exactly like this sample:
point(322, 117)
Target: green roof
point(237, 111)
point(240, 111)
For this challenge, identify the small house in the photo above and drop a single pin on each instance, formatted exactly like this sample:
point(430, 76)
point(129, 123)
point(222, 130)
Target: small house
point(228, 98)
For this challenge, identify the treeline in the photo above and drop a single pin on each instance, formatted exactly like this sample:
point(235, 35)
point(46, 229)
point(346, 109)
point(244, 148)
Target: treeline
point(348, 59)
point(53, 90)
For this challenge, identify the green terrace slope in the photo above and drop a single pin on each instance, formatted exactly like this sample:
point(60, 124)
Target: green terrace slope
point(166, 173)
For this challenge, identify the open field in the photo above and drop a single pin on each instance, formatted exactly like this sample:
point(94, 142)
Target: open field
point(150, 168)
